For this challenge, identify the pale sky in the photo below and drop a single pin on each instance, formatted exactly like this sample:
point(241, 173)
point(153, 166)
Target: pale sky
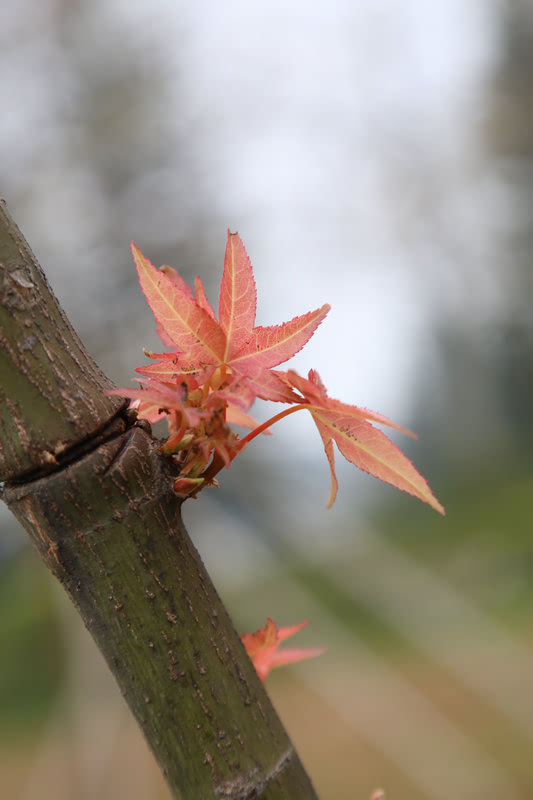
point(308, 101)
point(320, 127)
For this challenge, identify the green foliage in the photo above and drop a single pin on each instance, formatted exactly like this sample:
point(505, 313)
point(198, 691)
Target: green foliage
point(31, 662)
point(487, 552)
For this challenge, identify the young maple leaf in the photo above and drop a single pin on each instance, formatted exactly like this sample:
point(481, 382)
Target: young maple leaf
point(159, 397)
point(262, 647)
point(237, 303)
point(359, 442)
point(218, 368)
point(202, 344)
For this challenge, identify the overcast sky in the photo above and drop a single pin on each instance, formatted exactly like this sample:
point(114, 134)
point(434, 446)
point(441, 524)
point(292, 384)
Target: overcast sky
point(321, 112)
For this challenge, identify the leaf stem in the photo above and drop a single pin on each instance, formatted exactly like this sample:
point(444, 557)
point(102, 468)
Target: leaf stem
point(217, 463)
point(264, 425)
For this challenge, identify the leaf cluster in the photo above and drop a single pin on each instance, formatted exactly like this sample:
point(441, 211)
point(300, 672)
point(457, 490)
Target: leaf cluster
point(216, 368)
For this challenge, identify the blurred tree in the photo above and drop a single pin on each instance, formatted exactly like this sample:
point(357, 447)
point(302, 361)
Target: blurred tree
point(103, 136)
point(475, 396)
point(509, 137)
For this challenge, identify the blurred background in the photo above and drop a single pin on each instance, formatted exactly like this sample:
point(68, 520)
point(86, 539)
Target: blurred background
point(374, 155)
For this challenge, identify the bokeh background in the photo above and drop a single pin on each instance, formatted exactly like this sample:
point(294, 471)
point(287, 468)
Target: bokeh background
point(374, 155)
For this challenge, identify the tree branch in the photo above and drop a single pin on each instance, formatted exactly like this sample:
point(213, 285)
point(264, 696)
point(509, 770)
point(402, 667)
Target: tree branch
point(92, 490)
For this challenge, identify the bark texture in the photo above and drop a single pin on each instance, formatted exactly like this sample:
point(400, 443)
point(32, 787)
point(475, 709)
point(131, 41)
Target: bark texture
point(92, 490)
point(51, 390)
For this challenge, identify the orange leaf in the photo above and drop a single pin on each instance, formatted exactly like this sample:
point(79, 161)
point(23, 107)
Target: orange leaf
point(176, 279)
point(370, 450)
point(202, 344)
point(235, 416)
point(182, 323)
point(238, 297)
point(268, 386)
point(262, 647)
point(315, 392)
point(218, 368)
point(358, 441)
point(164, 397)
point(201, 299)
point(270, 346)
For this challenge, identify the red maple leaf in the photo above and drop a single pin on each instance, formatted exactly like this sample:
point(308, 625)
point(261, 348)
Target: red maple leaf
point(216, 370)
point(359, 442)
point(263, 647)
point(202, 344)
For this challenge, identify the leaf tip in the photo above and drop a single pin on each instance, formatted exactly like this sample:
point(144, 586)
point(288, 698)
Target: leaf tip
point(438, 507)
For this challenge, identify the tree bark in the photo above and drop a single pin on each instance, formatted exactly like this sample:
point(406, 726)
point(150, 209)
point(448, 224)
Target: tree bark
point(88, 483)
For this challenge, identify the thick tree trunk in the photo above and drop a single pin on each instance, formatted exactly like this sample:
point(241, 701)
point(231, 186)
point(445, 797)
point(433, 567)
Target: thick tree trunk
point(93, 492)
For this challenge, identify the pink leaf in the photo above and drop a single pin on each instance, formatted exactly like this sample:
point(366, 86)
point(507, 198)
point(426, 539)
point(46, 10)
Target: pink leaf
point(238, 299)
point(163, 397)
point(370, 450)
point(330, 455)
point(177, 280)
point(262, 647)
point(182, 323)
point(268, 386)
point(235, 416)
point(315, 392)
point(201, 299)
point(358, 441)
point(270, 346)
